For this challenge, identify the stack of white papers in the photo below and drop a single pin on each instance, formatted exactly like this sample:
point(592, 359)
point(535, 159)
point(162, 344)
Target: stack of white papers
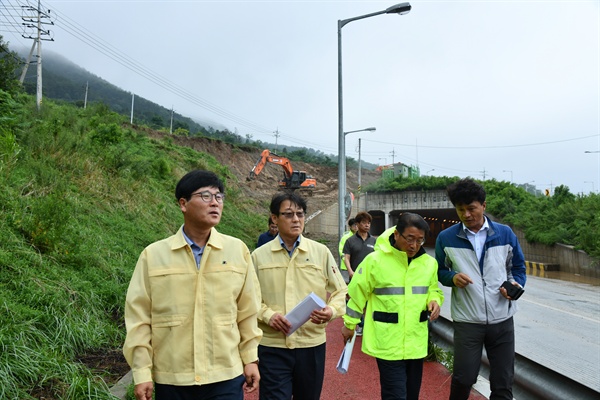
point(301, 313)
point(344, 362)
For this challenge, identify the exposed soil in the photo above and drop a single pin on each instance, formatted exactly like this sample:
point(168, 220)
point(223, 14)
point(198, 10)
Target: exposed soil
point(110, 364)
point(241, 159)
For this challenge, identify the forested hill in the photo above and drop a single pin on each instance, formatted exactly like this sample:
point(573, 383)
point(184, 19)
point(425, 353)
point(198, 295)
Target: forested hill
point(66, 81)
point(63, 80)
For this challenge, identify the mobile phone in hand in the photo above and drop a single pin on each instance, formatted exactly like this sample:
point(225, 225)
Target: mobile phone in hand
point(512, 290)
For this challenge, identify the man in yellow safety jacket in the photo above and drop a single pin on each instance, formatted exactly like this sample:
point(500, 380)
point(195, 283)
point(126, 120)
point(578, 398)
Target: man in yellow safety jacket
point(353, 228)
point(398, 284)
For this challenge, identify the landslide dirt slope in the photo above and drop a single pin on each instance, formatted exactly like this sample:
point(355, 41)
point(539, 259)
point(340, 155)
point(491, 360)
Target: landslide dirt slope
point(241, 159)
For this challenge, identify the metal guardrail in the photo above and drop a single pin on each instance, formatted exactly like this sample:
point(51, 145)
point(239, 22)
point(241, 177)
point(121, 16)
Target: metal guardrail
point(533, 381)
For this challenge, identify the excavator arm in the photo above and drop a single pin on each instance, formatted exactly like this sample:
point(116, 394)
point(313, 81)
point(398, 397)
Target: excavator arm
point(292, 180)
point(267, 157)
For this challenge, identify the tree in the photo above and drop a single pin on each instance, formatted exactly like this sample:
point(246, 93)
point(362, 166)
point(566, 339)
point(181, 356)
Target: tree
point(562, 195)
point(9, 63)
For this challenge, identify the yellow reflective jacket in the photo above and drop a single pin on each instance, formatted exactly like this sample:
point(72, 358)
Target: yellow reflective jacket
point(395, 293)
point(341, 248)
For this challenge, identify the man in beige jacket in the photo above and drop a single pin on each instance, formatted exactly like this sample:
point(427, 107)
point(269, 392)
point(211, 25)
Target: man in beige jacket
point(192, 304)
point(289, 268)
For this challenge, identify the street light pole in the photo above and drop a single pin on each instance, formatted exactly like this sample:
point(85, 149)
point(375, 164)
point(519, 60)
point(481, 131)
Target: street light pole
point(371, 129)
point(359, 168)
point(401, 8)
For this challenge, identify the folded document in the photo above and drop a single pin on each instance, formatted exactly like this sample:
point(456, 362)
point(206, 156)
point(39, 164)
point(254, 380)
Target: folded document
point(301, 313)
point(344, 362)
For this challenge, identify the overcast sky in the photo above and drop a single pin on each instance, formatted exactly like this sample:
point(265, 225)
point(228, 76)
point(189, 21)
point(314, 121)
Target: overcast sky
point(488, 89)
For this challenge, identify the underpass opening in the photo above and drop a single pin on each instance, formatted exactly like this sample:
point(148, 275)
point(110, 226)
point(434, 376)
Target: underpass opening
point(378, 222)
point(437, 219)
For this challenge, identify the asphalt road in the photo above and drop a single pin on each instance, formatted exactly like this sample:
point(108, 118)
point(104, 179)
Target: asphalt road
point(558, 326)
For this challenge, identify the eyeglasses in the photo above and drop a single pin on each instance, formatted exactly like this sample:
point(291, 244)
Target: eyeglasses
point(290, 214)
point(412, 240)
point(207, 196)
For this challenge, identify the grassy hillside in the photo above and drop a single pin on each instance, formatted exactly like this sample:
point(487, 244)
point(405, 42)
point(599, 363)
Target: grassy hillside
point(81, 198)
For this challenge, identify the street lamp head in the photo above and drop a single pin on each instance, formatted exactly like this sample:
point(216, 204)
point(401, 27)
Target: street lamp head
point(400, 9)
point(360, 130)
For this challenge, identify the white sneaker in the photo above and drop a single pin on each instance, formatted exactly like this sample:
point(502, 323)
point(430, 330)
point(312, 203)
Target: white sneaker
point(359, 331)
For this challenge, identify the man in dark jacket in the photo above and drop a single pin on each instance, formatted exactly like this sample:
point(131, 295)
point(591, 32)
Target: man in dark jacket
point(269, 235)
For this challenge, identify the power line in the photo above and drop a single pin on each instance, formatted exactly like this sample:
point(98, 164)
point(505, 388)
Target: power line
point(79, 32)
point(486, 147)
point(73, 28)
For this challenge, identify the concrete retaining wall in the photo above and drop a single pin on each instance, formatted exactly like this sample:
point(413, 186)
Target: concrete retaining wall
point(325, 222)
point(565, 257)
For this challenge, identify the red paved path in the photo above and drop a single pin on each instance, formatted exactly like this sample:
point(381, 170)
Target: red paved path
point(362, 380)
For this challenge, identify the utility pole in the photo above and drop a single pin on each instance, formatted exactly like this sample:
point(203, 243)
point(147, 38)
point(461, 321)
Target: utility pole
point(393, 153)
point(132, 99)
point(171, 129)
point(359, 167)
point(35, 22)
point(276, 134)
point(22, 78)
point(85, 98)
point(417, 151)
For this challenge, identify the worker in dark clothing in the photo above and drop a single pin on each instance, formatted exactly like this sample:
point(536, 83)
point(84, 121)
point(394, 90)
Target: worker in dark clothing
point(269, 235)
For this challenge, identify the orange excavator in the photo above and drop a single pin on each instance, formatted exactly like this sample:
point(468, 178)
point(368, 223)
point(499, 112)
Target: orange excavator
point(292, 180)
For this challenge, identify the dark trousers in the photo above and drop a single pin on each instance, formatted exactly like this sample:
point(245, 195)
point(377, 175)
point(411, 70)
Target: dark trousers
point(225, 390)
point(499, 342)
point(291, 373)
point(400, 379)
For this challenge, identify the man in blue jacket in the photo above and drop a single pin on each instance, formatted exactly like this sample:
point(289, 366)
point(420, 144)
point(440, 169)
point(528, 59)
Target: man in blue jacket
point(475, 257)
point(269, 235)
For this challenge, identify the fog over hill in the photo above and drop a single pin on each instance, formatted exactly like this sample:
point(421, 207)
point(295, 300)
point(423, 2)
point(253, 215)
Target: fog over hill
point(66, 81)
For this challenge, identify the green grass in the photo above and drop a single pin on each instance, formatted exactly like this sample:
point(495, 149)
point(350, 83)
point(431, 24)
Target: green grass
point(82, 196)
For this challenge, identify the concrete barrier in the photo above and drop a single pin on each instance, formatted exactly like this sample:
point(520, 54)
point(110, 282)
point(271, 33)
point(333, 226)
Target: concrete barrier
point(539, 269)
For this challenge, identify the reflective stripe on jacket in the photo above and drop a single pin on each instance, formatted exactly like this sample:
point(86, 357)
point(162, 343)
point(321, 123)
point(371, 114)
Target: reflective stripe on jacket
point(395, 293)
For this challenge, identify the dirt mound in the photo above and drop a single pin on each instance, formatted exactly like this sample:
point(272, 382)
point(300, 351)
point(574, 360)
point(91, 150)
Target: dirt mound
point(241, 159)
